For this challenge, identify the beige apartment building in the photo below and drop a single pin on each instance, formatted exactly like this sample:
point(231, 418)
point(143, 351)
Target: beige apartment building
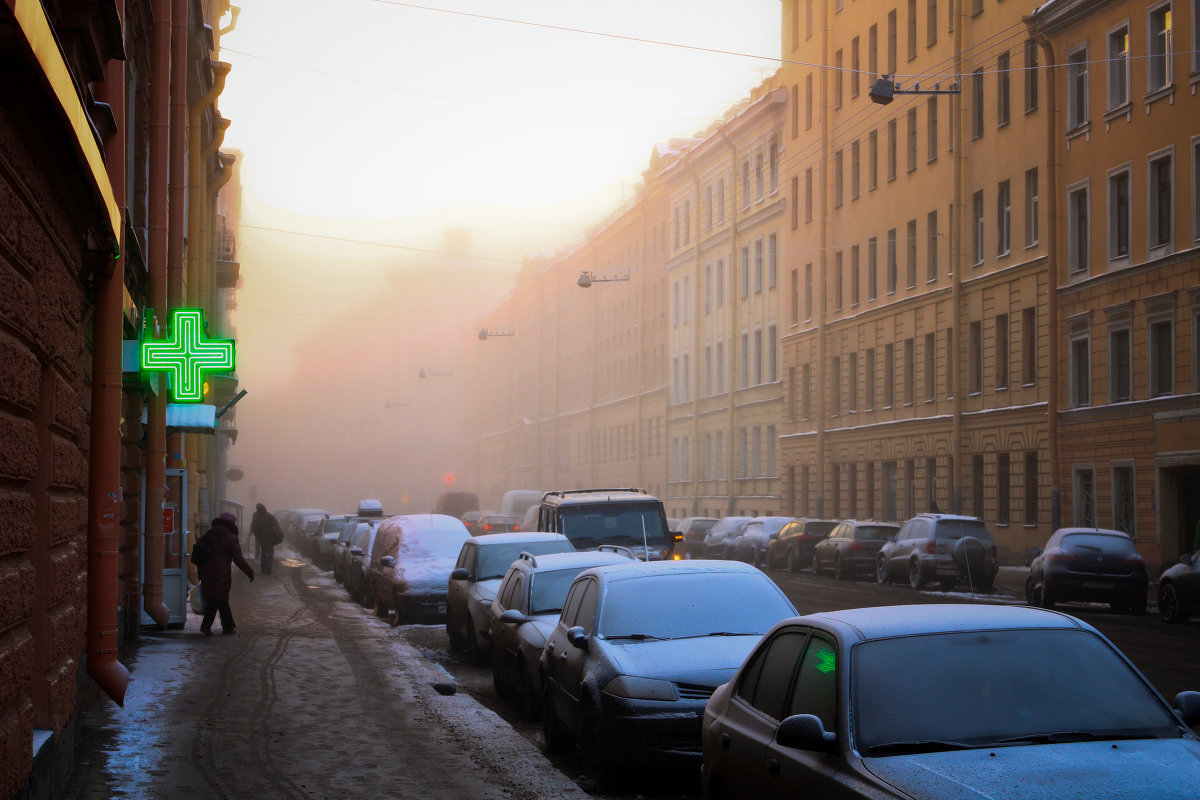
point(1125, 144)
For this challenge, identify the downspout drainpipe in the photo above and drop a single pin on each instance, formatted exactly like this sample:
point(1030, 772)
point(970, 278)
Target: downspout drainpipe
point(733, 328)
point(1052, 280)
point(104, 479)
point(156, 448)
point(954, 376)
point(177, 236)
point(697, 331)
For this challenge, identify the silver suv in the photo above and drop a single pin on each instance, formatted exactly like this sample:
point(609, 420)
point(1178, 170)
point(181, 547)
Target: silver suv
point(940, 547)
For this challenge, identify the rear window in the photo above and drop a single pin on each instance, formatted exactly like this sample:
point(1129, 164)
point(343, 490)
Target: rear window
point(333, 525)
point(1098, 543)
point(550, 589)
point(958, 528)
point(494, 560)
point(819, 528)
point(702, 526)
point(873, 531)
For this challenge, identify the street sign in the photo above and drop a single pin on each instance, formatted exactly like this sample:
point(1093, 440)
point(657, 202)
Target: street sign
point(187, 354)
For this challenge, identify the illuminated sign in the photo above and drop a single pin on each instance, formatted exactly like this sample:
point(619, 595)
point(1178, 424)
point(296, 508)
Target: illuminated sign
point(828, 661)
point(186, 354)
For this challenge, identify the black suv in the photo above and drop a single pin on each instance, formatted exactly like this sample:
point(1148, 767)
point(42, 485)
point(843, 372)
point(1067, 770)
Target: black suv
point(943, 548)
point(591, 517)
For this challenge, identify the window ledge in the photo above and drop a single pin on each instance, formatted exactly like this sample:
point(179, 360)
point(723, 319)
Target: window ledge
point(1158, 94)
point(1082, 129)
point(1122, 110)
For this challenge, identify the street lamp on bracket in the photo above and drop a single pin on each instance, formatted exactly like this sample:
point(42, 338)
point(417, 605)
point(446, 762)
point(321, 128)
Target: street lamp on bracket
point(484, 333)
point(587, 278)
point(885, 88)
point(433, 373)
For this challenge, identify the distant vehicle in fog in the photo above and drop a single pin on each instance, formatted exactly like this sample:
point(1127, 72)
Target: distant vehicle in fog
point(455, 504)
point(518, 501)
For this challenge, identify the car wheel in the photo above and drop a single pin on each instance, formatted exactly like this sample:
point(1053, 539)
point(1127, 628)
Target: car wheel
point(398, 611)
point(381, 608)
point(839, 570)
point(1030, 596)
point(595, 749)
point(1047, 599)
point(557, 740)
point(881, 571)
point(916, 578)
point(529, 696)
point(474, 651)
point(1169, 608)
point(456, 642)
point(816, 564)
point(791, 560)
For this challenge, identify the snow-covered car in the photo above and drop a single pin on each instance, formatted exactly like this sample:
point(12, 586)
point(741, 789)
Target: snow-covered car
point(719, 539)
point(638, 650)
point(946, 701)
point(357, 563)
point(526, 609)
point(410, 566)
point(477, 573)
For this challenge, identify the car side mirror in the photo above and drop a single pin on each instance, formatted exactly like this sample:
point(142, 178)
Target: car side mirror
point(1187, 706)
point(460, 574)
point(387, 561)
point(805, 732)
point(356, 551)
point(513, 616)
point(577, 637)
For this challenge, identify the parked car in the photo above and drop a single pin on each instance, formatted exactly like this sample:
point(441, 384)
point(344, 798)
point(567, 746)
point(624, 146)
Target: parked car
point(292, 521)
point(1089, 564)
point(410, 566)
point(341, 551)
point(470, 518)
point(851, 547)
point(358, 561)
point(631, 518)
point(331, 531)
point(940, 547)
point(638, 650)
point(722, 535)
point(946, 701)
point(491, 522)
point(475, 578)
point(1179, 590)
point(694, 529)
point(751, 545)
point(526, 609)
point(792, 549)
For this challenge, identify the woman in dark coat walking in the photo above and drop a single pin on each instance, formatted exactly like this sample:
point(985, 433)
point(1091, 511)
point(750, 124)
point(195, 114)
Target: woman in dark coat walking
point(224, 551)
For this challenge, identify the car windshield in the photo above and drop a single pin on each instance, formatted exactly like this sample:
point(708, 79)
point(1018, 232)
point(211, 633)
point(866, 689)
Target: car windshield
point(494, 560)
point(434, 545)
point(614, 524)
point(692, 604)
point(958, 528)
point(702, 525)
point(873, 531)
point(991, 687)
point(1099, 543)
point(333, 525)
point(550, 589)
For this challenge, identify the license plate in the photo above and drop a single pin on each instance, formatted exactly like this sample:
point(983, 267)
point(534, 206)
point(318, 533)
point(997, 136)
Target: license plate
point(1097, 584)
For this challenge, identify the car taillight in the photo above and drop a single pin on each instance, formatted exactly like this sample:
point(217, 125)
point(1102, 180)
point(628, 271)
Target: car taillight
point(487, 527)
point(859, 546)
point(516, 527)
point(1060, 555)
point(1135, 558)
point(931, 546)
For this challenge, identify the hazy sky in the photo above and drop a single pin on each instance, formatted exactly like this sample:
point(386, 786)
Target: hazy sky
point(378, 121)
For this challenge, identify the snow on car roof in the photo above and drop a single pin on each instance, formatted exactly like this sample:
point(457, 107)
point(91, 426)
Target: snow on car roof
point(886, 621)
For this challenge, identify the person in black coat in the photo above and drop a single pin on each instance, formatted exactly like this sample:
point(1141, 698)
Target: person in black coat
point(224, 550)
point(267, 533)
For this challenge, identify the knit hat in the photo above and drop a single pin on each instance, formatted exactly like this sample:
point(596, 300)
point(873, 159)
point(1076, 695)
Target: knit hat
point(229, 516)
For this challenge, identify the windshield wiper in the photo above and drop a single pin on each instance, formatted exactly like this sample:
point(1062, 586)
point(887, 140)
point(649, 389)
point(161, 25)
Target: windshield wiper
point(546, 611)
point(717, 633)
point(1063, 737)
point(921, 746)
point(638, 637)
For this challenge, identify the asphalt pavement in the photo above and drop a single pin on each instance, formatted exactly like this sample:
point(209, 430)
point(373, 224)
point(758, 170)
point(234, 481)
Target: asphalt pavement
point(313, 697)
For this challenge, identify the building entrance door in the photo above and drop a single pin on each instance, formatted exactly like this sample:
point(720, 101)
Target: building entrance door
point(175, 556)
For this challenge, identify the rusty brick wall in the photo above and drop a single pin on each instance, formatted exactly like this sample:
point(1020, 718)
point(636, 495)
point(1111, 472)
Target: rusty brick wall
point(44, 424)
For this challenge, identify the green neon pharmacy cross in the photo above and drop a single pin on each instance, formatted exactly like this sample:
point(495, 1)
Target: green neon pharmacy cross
point(186, 354)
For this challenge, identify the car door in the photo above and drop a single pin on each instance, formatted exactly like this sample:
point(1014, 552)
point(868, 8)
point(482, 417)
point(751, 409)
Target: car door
point(574, 667)
point(791, 772)
point(824, 550)
point(555, 655)
point(504, 635)
point(755, 709)
point(898, 557)
point(457, 610)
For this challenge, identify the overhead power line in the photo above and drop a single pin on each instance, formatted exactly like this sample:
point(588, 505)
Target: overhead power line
point(380, 244)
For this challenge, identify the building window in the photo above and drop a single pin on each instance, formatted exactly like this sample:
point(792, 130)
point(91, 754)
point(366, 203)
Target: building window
point(873, 160)
point(795, 203)
point(759, 176)
point(1161, 202)
point(721, 201)
point(837, 281)
point(687, 221)
point(835, 386)
point(975, 357)
point(1077, 89)
point(870, 375)
point(1031, 207)
point(808, 19)
point(977, 485)
point(891, 173)
point(838, 78)
point(911, 117)
point(758, 266)
point(793, 399)
point(745, 361)
point(1031, 487)
point(931, 256)
point(795, 110)
point(855, 71)
point(1124, 501)
point(772, 354)
point(1119, 220)
point(1029, 346)
point(1002, 90)
point(977, 104)
point(674, 304)
point(795, 297)
point(853, 358)
point(720, 367)
point(889, 376)
point(1001, 346)
point(772, 260)
point(676, 226)
point(977, 228)
point(771, 466)
point(854, 286)
point(891, 43)
point(708, 278)
point(931, 123)
point(758, 356)
point(873, 51)
point(720, 282)
point(808, 291)
point(1084, 485)
point(745, 270)
point(1031, 76)
point(854, 170)
point(746, 183)
point(806, 391)
point(773, 166)
point(1118, 67)
point(1080, 355)
point(708, 371)
point(1078, 230)
point(708, 207)
point(1159, 69)
point(1003, 218)
point(1161, 356)
point(808, 101)
point(1003, 489)
point(1196, 176)
point(912, 29)
point(930, 367)
point(910, 370)
point(891, 261)
point(838, 179)
point(1120, 365)
point(808, 195)
point(949, 349)
point(911, 248)
point(872, 268)
point(744, 452)
point(931, 30)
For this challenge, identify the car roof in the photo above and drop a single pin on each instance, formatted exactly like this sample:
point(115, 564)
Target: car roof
point(1100, 531)
point(949, 517)
point(494, 539)
point(646, 569)
point(584, 496)
point(420, 523)
point(581, 559)
point(884, 622)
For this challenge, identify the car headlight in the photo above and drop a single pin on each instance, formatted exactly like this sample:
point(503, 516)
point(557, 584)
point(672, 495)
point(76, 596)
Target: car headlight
point(641, 688)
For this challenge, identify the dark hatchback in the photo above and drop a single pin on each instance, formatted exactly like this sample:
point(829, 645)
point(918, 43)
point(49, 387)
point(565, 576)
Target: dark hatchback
point(1179, 590)
point(851, 548)
point(1089, 565)
point(792, 549)
point(956, 702)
